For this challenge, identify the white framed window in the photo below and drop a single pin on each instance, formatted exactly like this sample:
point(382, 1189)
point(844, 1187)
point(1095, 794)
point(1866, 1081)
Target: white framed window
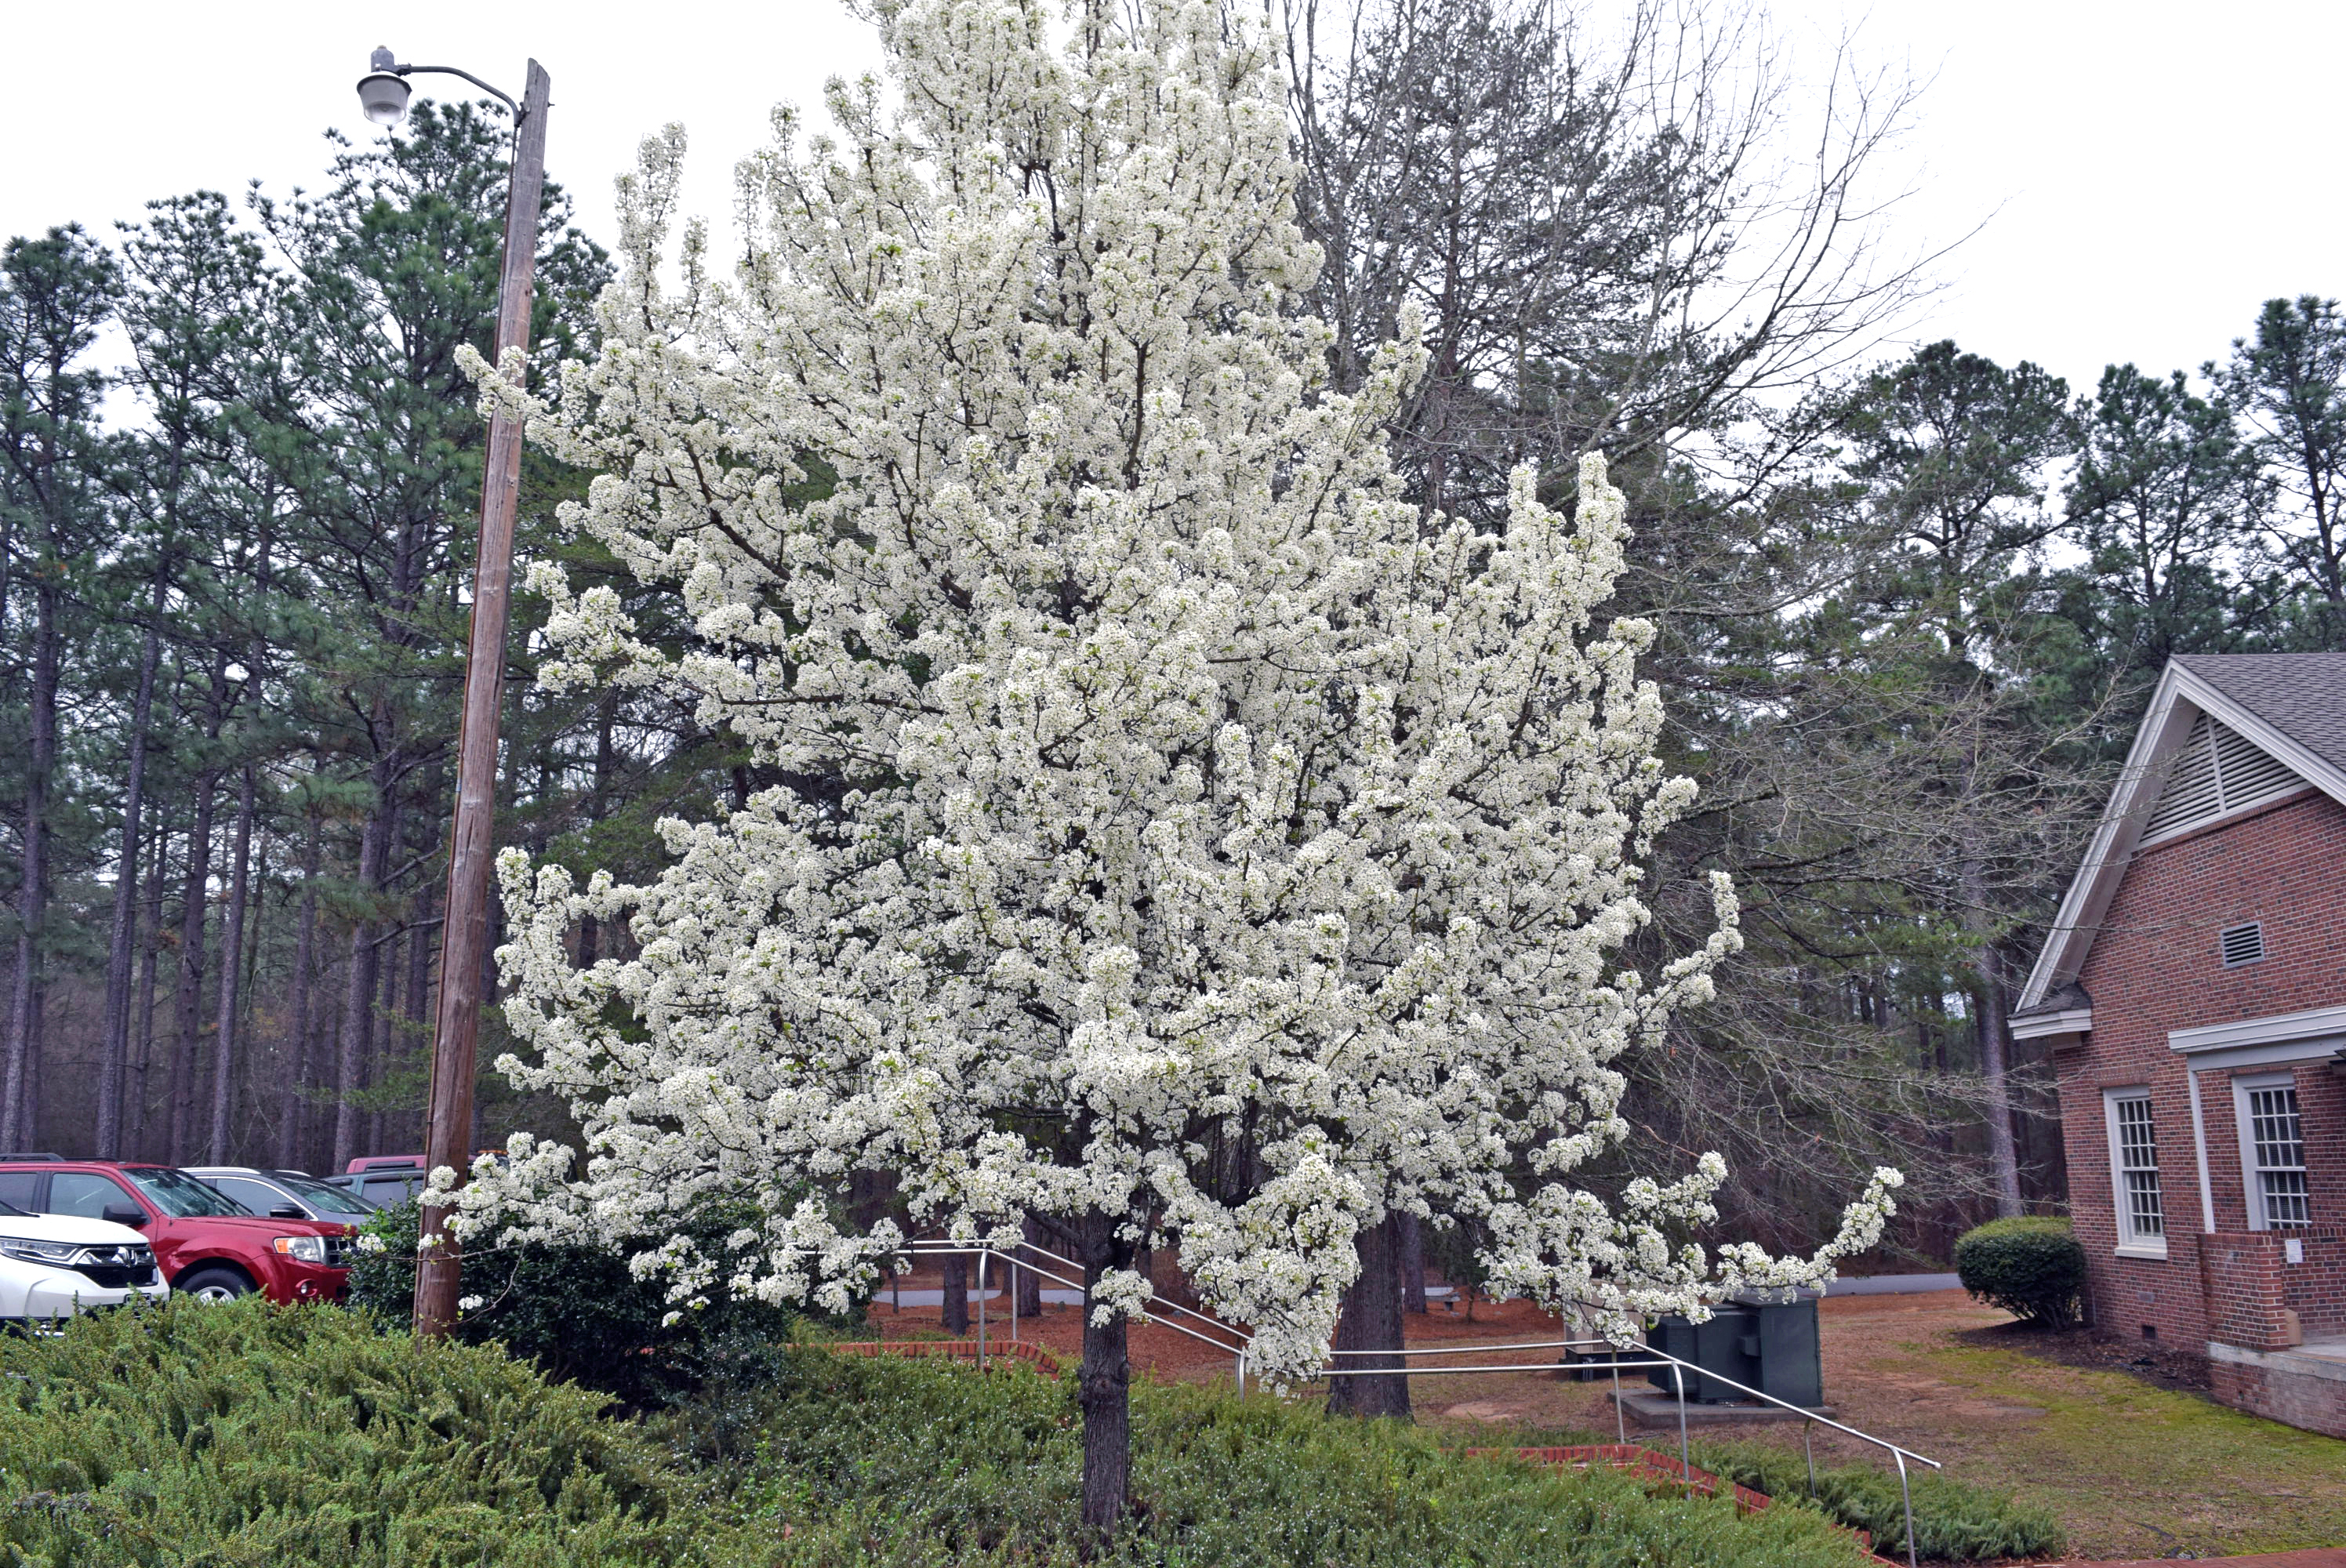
point(2272, 1152)
point(2134, 1172)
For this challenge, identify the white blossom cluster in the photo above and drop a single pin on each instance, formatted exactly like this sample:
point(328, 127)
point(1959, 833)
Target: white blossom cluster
point(1199, 837)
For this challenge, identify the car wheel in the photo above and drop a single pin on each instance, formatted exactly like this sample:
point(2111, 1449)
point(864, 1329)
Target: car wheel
point(212, 1286)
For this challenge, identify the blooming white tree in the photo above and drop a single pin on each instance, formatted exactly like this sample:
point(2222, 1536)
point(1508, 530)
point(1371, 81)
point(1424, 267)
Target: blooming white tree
point(1190, 843)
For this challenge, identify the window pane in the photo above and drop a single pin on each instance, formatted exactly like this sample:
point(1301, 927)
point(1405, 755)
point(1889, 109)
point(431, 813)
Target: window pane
point(86, 1195)
point(251, 1194)
point(2278, 1137)
point(175, 1192)
point(2138, 1166)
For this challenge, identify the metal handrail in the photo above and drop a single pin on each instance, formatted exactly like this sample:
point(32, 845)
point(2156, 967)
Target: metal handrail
point(985, 1251)
point(1679, 1369)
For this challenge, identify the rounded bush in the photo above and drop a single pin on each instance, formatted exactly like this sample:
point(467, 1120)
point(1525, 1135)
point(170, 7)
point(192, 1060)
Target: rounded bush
point(578, 1312)
point(2031, 1265)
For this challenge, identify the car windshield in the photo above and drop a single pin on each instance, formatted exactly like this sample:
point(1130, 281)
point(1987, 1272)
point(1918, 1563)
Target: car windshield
point(179, 1194)
point(319, 1196)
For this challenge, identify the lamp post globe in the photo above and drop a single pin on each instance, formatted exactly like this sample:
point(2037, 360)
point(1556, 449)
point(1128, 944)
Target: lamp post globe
point(382, 92)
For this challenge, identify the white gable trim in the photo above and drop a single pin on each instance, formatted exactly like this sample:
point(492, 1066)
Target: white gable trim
point(2180, 698)
point(2045, 1025)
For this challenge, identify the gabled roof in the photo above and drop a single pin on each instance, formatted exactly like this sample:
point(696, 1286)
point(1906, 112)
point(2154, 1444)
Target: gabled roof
point(2302, 696)
point(2290, 707)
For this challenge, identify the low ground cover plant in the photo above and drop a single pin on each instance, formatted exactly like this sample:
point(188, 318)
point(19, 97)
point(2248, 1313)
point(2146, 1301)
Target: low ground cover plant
point(260, 1435)
point(2031, 1265)
point(886, 1460)
point(1953, 1521)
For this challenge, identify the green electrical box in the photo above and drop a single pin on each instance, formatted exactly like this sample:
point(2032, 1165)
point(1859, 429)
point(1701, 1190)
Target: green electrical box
point(1763, 1339)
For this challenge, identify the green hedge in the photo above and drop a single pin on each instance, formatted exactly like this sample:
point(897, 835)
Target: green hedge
point(579, 1313)
point(291, 1437)
point(307, 1438)
point(886, 1461)
point(2031, 1267)
point(1954, 1522)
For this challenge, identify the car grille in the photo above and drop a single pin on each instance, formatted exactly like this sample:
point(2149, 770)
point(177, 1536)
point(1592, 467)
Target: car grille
point(117, 1267)
point(339, 1251)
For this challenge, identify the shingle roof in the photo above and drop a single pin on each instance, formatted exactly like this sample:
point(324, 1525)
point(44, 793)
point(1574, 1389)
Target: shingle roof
point(2303, 696)
point(2062, 998)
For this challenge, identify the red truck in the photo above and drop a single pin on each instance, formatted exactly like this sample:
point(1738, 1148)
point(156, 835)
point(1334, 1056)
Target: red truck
point(208, 1245)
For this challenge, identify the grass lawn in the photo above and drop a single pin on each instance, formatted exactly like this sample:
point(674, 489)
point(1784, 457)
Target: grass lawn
point(2131, 1470)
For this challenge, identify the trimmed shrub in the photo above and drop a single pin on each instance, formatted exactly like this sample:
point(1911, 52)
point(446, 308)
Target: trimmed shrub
point(880, 1460)
point(2031, 1265)
point(1953, 1521)
point(578, 1312)
point(301, 1438)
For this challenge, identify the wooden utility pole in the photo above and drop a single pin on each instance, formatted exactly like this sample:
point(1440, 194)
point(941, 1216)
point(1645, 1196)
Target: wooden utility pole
point(464, 934)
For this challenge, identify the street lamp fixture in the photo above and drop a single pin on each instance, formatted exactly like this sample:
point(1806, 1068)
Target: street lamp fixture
point(465, 925)
point(382, 91)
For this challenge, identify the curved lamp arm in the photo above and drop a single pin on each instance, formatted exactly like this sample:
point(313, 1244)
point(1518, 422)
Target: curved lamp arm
point(381, 63)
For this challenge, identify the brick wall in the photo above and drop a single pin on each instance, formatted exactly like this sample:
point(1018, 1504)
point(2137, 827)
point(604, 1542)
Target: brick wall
point(2280, 1395)
point(2154, 967)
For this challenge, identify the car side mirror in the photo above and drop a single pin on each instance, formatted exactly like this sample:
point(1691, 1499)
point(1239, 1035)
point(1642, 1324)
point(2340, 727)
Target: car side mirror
point(124, 1214)
point(287, 1211)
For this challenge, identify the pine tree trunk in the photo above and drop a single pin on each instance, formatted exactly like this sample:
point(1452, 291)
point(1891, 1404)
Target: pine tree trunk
point(33, 891)
point(150, 949)
point(1995, 1042)
point(302, 1066)
point(231, 954)
point(1372, 1322)
point(35, 1060)
point(187, 1000)
point(358, 993)
point(384, 1036)
point(1104, 1390)
point(114, 1050)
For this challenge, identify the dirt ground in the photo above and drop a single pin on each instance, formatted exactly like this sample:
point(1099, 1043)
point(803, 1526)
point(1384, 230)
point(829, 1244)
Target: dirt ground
point(2135, 1464)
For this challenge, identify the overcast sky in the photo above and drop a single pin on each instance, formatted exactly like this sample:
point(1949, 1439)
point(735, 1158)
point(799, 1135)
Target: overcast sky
point(2146, 173)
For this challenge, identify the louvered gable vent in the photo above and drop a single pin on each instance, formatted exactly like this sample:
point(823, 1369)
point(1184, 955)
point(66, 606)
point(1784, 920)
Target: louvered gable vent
point(2217, 771)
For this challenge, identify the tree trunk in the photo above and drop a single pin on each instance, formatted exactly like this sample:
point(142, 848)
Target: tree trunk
point(150, 949)
point(1412, 1264)
point(383, 1034)
point(1104, 1388)
point(1372, 1322)
point(358, 993)
point(185, 1002)
point(1029, 1288)
point(114, 1051)
point(303, 1065)
point(35, 1061)
point(956, 1294)
point(1995, 1042)
point(232, 951)
point(33, 891)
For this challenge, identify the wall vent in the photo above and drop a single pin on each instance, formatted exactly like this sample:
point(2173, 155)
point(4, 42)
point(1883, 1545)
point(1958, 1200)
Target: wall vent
point(2241, 944)
point(2217, 771)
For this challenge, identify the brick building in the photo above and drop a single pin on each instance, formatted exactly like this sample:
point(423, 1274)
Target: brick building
point(2193, 995)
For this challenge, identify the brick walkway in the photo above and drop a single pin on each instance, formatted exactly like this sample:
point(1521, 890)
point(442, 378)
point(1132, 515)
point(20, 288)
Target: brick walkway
point(2320, 1557)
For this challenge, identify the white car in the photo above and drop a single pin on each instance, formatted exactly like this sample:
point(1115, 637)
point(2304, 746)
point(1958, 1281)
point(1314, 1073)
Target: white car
point(52, 1265)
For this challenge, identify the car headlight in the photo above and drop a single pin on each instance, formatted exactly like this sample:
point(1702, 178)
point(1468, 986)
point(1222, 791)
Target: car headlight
point(29, 1250)
point(302, 1248)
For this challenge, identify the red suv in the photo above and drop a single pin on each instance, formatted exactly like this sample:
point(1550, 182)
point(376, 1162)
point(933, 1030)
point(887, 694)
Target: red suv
point(209, 1246)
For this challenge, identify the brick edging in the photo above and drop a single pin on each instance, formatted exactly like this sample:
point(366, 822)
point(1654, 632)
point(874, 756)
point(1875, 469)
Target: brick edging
point(949, 1351)
point(1653, 1465)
